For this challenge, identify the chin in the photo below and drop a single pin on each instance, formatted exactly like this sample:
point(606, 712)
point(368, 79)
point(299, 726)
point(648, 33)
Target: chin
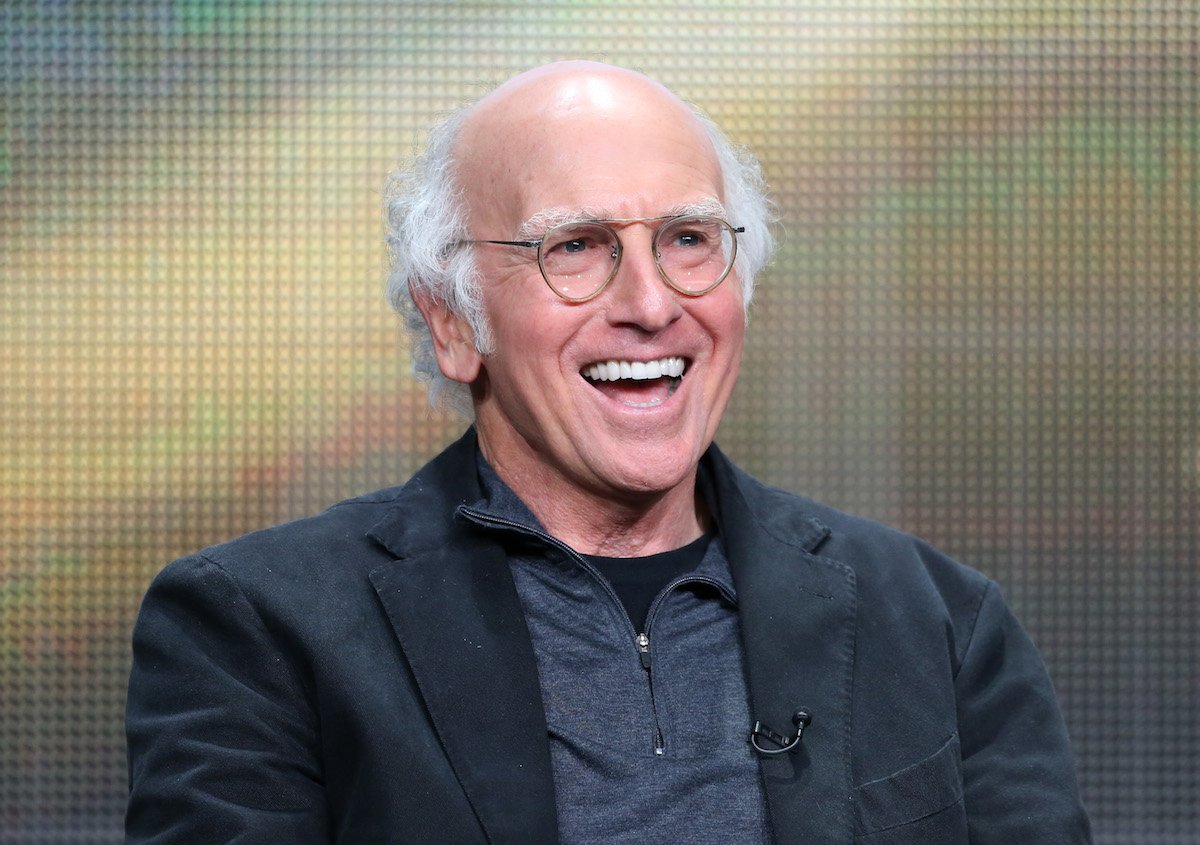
point(652, 474)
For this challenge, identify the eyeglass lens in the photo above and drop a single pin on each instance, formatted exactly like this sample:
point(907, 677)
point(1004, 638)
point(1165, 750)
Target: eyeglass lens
point(693, 253)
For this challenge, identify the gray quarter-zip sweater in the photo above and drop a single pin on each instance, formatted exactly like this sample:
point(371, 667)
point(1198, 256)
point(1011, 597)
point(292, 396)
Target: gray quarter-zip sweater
point(648, 728)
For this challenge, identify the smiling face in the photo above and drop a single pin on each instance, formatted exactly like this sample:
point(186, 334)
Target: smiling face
point(597, 410)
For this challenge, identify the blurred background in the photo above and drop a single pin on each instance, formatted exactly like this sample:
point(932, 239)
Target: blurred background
point(982, 325)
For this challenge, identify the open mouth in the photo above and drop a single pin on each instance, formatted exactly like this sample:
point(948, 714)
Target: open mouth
point(638, 384)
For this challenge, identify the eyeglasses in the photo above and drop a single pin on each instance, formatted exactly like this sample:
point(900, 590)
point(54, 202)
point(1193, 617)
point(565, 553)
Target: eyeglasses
point(693, 253)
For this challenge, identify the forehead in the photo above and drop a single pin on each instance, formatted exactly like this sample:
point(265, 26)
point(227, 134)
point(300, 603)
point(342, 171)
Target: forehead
point(615, 144)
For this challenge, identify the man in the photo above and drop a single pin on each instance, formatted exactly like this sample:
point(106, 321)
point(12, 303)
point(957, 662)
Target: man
point(581, 622)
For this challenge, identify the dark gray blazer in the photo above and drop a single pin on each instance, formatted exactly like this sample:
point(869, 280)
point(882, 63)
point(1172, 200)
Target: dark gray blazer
point(365, 675)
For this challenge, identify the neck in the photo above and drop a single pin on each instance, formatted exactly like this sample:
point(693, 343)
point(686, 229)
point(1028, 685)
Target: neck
point(629, 530)
point(605, 522)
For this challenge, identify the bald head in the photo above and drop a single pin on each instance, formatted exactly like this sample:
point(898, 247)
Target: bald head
point(573, 90)
point(566, 91)
point(554, 122)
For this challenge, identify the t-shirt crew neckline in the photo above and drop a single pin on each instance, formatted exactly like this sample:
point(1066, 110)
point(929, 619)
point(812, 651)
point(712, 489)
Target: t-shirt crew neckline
point(638, 580)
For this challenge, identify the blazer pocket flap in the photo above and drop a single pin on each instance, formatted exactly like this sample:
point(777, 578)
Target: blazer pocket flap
point(912, 793)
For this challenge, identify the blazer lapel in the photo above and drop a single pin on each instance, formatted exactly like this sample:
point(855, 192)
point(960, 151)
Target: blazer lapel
point(797, 615)
point(452, 603)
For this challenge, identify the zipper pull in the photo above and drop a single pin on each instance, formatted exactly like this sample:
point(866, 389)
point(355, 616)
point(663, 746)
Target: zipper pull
point(643, 647)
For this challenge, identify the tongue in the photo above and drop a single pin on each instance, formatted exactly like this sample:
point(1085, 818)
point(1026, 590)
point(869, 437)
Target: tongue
point(646, 391)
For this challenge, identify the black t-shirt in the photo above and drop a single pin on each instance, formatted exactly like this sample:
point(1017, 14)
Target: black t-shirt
point(638, 580)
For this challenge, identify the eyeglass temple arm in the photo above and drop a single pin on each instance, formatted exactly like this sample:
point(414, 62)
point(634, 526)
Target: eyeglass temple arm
point(529, 244)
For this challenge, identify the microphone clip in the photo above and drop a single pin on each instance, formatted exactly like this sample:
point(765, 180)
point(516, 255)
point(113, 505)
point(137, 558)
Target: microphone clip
point(784, 744)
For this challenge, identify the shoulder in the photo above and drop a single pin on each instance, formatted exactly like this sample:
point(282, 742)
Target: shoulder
point(340, 529)
point(292, 568)
point(888, 556)
point(330, 553)
point(334, 525)
point(889, 565)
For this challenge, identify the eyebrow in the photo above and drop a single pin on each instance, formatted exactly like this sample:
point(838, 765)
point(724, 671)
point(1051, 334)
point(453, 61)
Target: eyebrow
point(545, 220)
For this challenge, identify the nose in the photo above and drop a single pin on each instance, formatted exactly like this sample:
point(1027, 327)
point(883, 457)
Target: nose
point(638, 296)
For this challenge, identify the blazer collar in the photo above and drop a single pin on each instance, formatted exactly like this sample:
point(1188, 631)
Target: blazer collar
point(451, 601)
point(797, 614)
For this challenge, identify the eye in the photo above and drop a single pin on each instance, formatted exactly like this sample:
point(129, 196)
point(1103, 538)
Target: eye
point(579, 251)
point(577, 242)
point(690, 232)
point(689, 238)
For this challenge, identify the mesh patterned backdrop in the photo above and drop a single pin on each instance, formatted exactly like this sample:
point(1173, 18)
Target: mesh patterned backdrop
point(981, 327)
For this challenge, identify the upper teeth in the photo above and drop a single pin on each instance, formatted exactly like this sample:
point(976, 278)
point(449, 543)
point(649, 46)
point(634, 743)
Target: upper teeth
point(639, 370)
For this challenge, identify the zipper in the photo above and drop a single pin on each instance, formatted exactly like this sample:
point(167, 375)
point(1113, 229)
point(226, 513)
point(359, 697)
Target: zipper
point(641, 639)
point(643, 647)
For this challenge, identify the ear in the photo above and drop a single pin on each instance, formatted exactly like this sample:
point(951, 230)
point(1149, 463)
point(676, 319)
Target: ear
point(453, 339)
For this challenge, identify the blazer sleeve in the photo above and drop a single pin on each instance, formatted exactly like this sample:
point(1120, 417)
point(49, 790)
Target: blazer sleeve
point(1018, 773)
point(222, 738)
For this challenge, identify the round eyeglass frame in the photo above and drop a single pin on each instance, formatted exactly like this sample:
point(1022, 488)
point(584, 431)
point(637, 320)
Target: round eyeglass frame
point(665, 221)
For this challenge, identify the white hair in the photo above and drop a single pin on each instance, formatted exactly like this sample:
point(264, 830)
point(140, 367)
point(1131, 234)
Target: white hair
point(425, 217)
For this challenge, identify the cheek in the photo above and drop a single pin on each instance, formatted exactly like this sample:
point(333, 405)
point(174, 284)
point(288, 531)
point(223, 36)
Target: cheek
point(726, 323)
point(529, 336)
point(512, 325)
point(728, 332)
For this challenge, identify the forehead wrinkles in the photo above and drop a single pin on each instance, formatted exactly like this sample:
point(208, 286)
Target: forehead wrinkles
point(546, 219)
